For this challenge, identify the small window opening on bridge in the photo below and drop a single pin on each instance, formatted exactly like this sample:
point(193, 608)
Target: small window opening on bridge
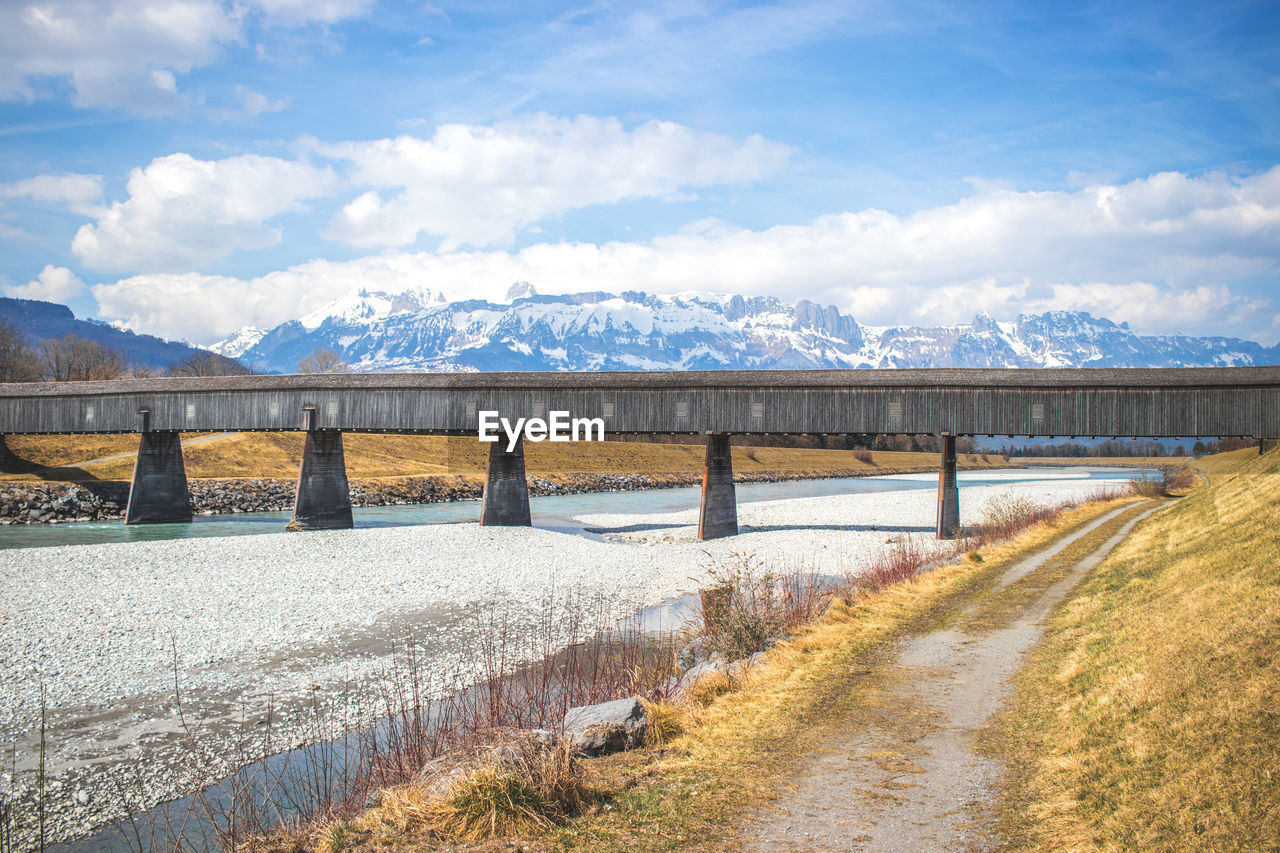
point(682, 409)
point(539, 408)
point(608, 408)
point(331, 408)
point(191, 411)
point(895, 414)
point(471, 408)
point(757, 410)
point(89, 413)
point(274, 408)
point(1037, 411)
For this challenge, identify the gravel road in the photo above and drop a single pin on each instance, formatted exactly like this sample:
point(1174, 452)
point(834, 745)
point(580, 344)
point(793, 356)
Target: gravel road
point(238, 622)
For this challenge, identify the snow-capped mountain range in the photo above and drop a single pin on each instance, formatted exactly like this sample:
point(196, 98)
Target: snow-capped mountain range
point(419, 330)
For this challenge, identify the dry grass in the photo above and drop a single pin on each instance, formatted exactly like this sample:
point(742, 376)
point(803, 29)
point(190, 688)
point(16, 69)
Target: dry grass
point(373, 456)
point(1226, 463)
point(667, 720)
point(1147, 718)
point(530, 788)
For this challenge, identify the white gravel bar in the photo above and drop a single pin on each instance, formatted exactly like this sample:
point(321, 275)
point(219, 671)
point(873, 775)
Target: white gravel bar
point(244, 617)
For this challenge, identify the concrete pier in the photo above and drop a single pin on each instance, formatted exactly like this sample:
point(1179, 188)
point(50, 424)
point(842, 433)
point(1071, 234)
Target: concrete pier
point(159, 491)
point(718, 513)
point(506, 492)
point(1265, 444)
point(323, 499)
point(948, 491)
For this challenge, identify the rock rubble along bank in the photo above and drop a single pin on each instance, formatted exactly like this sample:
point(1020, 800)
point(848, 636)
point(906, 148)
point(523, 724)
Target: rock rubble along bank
point(104, 500)
point(37, 503)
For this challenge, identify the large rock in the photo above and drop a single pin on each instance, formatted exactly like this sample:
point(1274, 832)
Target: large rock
point(679, 688)
point(608, 727)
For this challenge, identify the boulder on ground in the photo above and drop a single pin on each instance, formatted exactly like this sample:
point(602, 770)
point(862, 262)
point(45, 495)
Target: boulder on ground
point(678, 688)
point(606, 728)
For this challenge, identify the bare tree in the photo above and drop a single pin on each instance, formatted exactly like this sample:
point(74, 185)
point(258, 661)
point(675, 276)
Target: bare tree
point(208, 364)
point(18, 362)
point(324, 361)
point(73, 358)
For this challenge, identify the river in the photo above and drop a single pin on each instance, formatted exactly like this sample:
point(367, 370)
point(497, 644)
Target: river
point(551, 512)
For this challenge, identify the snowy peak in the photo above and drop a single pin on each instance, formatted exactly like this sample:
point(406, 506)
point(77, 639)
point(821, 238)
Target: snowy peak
point(239, 343)
point(519, 290)
point(363, 306)
point(416, 329)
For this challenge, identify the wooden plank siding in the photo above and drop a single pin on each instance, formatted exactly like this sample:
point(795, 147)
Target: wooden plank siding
point(1083, 402)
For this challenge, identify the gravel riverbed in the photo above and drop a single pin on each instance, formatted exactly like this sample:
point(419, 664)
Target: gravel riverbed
point(240, 622)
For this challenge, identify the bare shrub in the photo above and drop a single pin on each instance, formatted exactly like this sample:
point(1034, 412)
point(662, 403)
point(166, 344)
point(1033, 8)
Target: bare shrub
point(1179, 481)
point(754, 604)
point(864, 456)
point(900, 562)
point(1008, 515)
point(1146, 488)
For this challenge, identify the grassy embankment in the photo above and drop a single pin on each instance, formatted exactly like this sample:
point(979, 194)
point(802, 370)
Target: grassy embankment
point(1147, 719)
point(695, 790)
point(378, 456)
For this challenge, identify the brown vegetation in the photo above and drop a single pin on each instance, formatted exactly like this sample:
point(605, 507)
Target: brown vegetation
point(1146, 719)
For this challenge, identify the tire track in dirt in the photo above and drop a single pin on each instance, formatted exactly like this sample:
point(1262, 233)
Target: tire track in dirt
point(907, 777)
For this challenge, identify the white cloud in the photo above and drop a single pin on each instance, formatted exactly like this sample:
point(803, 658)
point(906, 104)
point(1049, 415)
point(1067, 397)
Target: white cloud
point(480, 184)
point(1166, 253)
point(54, 284)
point(81, 193)
point(183, 213)
point(129, 53)
point(252, 105)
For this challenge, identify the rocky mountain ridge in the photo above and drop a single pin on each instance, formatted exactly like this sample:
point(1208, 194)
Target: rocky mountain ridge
point(418, 329)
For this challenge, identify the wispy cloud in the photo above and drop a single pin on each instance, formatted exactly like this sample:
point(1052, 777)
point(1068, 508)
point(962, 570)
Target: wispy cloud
point(130, 54)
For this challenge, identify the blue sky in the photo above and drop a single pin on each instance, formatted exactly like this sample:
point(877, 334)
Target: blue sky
point(185, 167)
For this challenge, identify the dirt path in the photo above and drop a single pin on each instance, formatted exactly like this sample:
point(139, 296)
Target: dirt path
point(907, 777)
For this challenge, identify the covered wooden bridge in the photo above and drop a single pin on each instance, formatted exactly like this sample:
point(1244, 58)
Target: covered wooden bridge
point(1155, 403)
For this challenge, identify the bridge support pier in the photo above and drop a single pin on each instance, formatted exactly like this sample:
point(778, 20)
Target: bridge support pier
point(323, 498)
point(718, 513)
point(158, 494)
point(1265, 444)
point(948, 491)
point(505, 502)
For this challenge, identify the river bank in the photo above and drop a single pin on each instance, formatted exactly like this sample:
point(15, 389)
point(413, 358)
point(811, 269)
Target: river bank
point(26, 502)
point(106, 631)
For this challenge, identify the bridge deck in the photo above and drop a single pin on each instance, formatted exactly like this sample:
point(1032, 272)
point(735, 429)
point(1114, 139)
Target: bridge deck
point(1240, 401)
